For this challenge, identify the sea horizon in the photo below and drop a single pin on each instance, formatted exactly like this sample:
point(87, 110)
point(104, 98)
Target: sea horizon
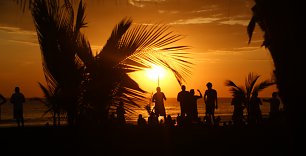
point(34, 112)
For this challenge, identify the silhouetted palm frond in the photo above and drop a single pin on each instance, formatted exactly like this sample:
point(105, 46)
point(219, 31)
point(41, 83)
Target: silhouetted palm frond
point(234, 89)
point(102, 81)
point(250, 82)
point(250, 88)
point(58, 42)
point(144, 45)
point(52, 102)
point(262, 86)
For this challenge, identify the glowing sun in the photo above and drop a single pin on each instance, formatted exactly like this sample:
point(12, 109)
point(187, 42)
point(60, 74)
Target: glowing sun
point(156, 72)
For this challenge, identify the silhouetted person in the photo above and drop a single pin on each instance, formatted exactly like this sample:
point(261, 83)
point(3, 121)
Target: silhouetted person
point(183, 99)
point(194, 104)
point(274, 105)
point(120, 111)
point(2, 101)
point(158, 99)
point(153, 120)
point(207, 120)
point(18, 99)
point(217, 121)
point(238, 103)
point(211, 101)
point(141, 122)
point(255, 116)
point(179, 120)
point(169, 121)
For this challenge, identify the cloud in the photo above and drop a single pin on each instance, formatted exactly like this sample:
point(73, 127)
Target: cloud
point(29, 43)
point(203, 10)
point(197, 20)
point(16, 30)
point(141, 3)
point(18, 36)
point(236, 22)
point(237, 51)
point(166, 11)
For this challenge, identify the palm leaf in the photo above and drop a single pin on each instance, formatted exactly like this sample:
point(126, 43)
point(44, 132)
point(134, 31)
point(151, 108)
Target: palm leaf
point(234, 89)
point(80, 19)
point(262, 86)
point(250, 28)
point(250, 82)
point(144, 45)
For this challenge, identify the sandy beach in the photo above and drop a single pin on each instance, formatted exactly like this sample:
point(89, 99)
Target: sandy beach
point(133, 140)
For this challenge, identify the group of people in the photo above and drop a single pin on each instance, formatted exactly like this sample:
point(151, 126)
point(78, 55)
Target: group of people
point(17, 99)
point(188, 106)
point(254, 114)
point(189, 111)
point(188, 103)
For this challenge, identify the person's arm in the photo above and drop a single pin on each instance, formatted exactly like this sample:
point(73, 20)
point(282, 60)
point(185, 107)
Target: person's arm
point(200, 93)
point(153, 98)
point(205, 94)
point(216, 100)
point(3, 99)
point(12, 99)
point(164, 96)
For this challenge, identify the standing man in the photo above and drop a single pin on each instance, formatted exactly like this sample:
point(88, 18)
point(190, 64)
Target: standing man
point(18, 99)
point(2, 101)
point(274, 105)
point(183, 99)
point(211, 102)
point(194, 104)
point(158, 99)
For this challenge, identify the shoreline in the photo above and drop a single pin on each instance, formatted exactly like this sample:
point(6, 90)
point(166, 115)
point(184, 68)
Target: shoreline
point(48, 121)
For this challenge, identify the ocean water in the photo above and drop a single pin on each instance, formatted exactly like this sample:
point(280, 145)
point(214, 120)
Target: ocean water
point(34, 111)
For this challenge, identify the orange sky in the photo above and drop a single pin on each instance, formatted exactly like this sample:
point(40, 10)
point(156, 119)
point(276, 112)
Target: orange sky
point(215, 31)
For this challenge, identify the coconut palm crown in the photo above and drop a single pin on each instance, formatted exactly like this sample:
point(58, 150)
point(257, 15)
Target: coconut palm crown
point(89, 85)
point(251, 88)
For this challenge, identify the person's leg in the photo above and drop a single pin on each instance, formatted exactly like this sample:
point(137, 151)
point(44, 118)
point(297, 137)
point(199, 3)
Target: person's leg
point(18, 122)
point(22, 122)
point(213, 118)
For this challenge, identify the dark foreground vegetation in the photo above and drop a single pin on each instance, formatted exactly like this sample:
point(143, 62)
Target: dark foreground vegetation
point(133, 140)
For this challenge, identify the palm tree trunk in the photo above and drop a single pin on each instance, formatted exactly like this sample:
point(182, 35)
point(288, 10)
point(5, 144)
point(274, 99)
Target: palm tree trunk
point(54, 118)
point(285, 38)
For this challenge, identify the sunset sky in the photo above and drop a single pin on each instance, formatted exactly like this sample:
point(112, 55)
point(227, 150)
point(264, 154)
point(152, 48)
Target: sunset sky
point(215, 30)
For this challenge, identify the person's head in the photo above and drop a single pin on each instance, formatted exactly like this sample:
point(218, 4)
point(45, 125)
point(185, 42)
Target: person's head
point(183, 87)
point(192, 91)
point(17, 89)
point(140, 116)
point(274, 94)
point(209, 85)
point(158, 89)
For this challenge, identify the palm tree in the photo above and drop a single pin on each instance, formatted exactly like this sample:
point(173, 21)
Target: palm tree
point(90, 85)
point(283, 24)
point(52, 102)
point(244, 94)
